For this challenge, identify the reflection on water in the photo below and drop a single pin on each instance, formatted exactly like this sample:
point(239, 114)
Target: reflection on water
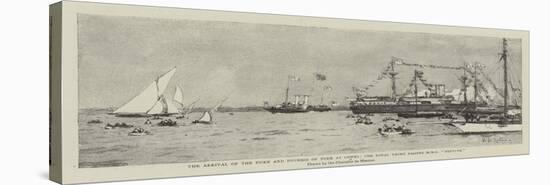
point(250, 135)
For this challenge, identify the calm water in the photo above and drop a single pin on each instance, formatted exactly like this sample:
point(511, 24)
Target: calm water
point(249, 135)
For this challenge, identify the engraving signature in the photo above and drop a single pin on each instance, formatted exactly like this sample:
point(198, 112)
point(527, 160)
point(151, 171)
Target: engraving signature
point(495, 139)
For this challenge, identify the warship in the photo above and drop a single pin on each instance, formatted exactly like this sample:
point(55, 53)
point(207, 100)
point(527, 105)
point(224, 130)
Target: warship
point(432, 102)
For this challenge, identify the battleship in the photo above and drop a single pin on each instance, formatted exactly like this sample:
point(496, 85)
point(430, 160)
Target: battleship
point(432, 102)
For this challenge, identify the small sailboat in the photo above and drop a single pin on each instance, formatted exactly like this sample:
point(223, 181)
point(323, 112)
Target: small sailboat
point(206, 117)
point(151, 101)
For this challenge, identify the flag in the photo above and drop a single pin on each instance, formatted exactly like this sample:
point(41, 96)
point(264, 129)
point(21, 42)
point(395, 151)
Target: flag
point(360, 92)
point(294, 78)
point(320, 77)
point(396, 60)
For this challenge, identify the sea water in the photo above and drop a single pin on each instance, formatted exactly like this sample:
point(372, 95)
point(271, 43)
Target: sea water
point(252, 135)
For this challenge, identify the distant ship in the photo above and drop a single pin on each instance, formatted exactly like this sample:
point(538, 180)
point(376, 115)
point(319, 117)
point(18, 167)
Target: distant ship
point(151, 101)
point(302, 102)
point(298, 106)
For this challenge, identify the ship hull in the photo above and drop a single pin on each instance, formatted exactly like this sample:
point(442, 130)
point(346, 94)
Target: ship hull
point(275, 110)
point(412, 108)
point(321, 108)
point(137, 115)
point(421, 114)
point(406, 108)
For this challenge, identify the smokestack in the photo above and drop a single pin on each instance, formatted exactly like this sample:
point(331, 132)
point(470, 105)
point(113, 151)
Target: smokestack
point(305, 99)
point(296, 98)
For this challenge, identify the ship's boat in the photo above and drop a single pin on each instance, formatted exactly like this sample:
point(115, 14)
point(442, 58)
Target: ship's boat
point(150, 101)
point(139, 132)
point(364, 120)
point(390, 132)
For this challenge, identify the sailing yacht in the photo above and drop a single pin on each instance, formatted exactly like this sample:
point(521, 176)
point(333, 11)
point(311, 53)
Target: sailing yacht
point(151, 101)
point(505, 121)
point(206, 117)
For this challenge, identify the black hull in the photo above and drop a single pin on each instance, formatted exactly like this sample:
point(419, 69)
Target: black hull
point(202, 122)
point(412, 108)
point(321, 108)
point(407, 108)
point(420, 115)
point(286, 110)
point(142, 115)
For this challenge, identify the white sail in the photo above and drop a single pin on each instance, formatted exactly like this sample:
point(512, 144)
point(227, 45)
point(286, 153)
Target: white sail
point(149, 97)
point(142, 102)
point(158, 108)
point(162, 82)
point(206, 117)
point(172, 108)
point(178, 95)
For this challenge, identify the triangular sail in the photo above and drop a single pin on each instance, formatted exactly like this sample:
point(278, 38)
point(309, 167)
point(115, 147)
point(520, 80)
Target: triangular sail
point(164, 80)
point(172, 108)
point(178, 96)
point(158, 108)
point(148, 98)
point(206, 117)
point(142, 102)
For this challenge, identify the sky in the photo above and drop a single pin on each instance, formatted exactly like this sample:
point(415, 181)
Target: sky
point(250, 63)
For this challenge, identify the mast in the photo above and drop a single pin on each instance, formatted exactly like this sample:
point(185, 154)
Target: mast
point(504, 57)
point(416, 90)
point(392, 77)
point(322, 96)
point(287, 89)
point(475, 85)
point(464, 86)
